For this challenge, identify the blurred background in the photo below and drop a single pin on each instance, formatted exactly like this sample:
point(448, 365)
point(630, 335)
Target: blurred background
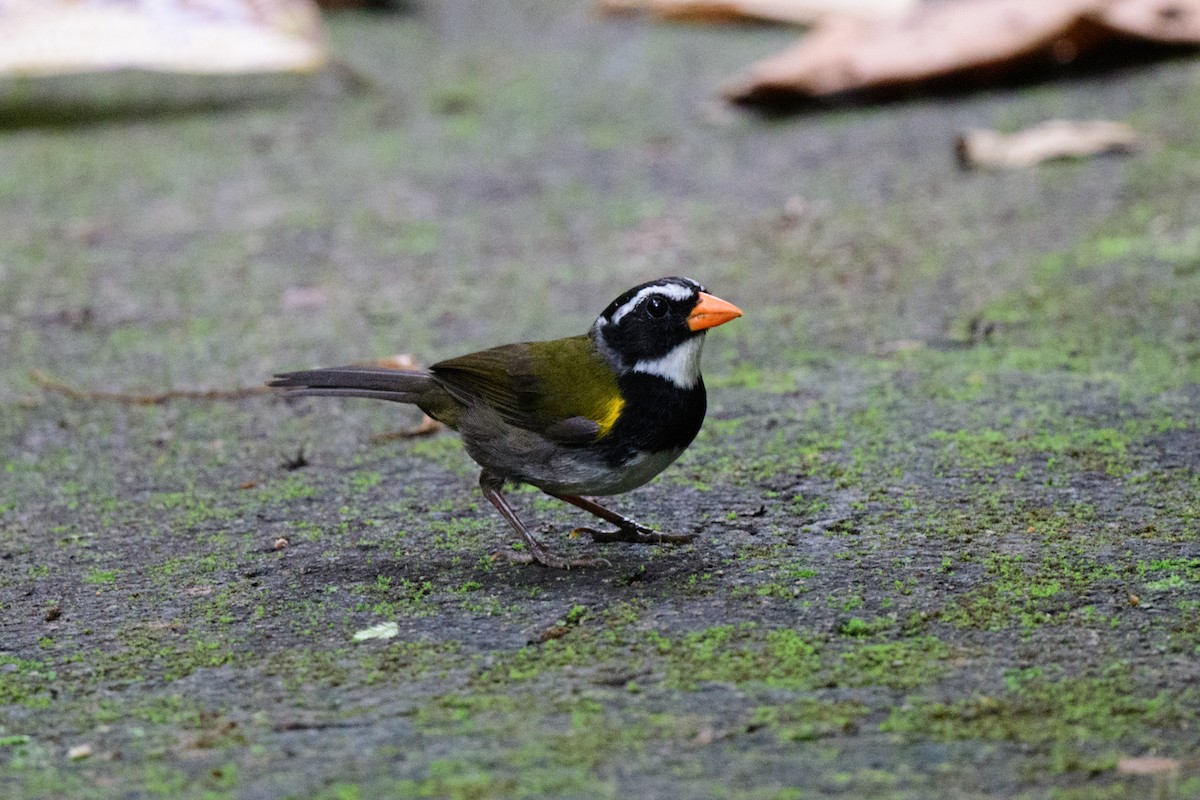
point(946, 495)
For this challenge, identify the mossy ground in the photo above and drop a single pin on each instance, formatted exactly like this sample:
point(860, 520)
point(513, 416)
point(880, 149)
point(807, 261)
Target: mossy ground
point(947, 497)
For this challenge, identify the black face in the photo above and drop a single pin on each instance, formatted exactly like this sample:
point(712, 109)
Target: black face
point(650, 320)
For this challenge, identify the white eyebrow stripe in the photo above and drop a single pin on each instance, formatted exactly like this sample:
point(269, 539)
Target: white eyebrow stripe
point(671, 290)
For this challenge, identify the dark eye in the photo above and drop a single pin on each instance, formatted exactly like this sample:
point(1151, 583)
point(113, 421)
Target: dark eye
point(656, 307)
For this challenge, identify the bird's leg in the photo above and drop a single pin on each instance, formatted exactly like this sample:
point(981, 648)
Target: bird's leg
point(538, 554)
point(627, 529)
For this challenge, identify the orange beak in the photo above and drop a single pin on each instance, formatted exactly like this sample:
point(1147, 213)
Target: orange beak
point(711, 312)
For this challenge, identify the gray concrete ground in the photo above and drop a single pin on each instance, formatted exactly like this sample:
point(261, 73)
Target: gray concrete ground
point(946, 496)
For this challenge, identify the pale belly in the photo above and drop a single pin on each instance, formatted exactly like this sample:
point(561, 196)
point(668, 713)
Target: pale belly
point(596, 478)
point(521, 456)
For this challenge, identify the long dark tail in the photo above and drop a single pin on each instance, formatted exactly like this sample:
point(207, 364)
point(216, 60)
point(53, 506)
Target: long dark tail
point(398, 386)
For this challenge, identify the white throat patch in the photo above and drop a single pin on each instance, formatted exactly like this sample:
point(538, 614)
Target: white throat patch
point(681, 366)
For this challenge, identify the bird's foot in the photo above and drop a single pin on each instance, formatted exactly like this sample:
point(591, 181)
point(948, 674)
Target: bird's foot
point(635, 534)
point(548, 559)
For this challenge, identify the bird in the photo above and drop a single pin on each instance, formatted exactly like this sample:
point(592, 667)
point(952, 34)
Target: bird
point(600, 413)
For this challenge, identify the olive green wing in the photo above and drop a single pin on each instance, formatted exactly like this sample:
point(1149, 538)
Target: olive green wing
point(501, 378)
point(562, 389)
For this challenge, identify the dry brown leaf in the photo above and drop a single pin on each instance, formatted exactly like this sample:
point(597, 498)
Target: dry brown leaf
point(1165, 21)
point(426, 427)
point(553, 632)
point(1147, 765)
point(795, 12)
point(79, 751)
point(959, 43)
point(1054, 139)
point(398, 361)
point(52, 37)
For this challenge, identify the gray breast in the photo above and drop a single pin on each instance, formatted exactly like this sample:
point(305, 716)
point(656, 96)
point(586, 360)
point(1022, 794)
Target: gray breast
point(525, 457)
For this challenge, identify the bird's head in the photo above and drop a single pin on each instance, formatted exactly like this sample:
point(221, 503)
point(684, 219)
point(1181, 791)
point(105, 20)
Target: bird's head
point(658, 328)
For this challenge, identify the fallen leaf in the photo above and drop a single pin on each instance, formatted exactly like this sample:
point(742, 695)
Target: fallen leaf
point(79, 751)
point(958, 44)
point(335, 5)
point(398, 361)
point(553, 632)
point(1147, 765)
point(1165, 21)
point(53, 37)
point(1054, 139)
point(384, 630)
point(427, 426)
point(797, 12)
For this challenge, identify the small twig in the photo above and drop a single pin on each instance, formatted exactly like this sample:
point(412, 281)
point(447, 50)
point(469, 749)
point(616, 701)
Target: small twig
point(426, 427)
point(44, 381)
point(297, 725)
point(1051, 140)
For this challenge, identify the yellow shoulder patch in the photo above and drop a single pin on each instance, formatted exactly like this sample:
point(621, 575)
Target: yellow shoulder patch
point(610, 414)
point(575, 381)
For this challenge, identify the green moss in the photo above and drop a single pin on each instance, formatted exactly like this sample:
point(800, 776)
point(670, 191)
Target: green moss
point(445, 451)
point(1099, 449)
point(467, 535)
point(289, 489)
point(1113, 791)
point(101, 577)
point(466, 711)
point(194, 506)
point(168, 709)
point(806, 719)
point(26, 682)
point(902, 664)
point(387, 597)
point(1038, 709)
point(459, 780)
point(1168, 574)
point(777, 573)
point(738, 654)
point(856, 626)
point(363, 481)
point(407, 661)
point(1028, 592)
point(801, 444)
point(1118, 327)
